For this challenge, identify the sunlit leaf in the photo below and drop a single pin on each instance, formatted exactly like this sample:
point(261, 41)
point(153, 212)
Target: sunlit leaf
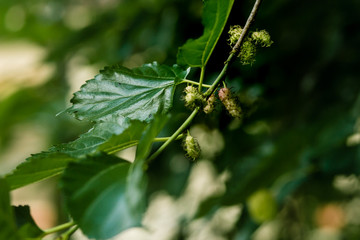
point(196, 53)
point(137, 93)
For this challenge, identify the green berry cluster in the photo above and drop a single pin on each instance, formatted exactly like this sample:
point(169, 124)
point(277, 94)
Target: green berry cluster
point(261, 38)
point(251, 42)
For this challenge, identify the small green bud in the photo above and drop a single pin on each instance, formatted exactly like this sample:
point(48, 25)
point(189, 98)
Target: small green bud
point(230, 103)
point(210, 104)
point(262, 38)
point(192, 147)
point(193, 98)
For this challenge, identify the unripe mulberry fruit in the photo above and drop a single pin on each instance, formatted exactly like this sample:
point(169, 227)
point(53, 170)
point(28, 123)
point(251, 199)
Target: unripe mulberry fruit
point(230, 103)
point(247, 52)
point(191, 147)
point(210, 104)
point(193, 98)
point(234, 33)
point(262, 38)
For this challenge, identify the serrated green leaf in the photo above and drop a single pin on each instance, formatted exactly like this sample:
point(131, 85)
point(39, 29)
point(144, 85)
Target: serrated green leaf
point(94, 190)
point(38, 167)
point(27, 227)
point(137, 93)
point(7, 222)
point(196, 53)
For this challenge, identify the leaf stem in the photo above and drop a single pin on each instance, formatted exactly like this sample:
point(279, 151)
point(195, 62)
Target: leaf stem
point(201, 78)
point(58, 228)
point(175, 134)
point(195, 83)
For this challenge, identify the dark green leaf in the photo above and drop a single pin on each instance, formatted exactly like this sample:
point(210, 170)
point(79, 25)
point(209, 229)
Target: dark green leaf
point(7, 221)
point(94, 190)
point(38, 167)
point(25, 223)
point(196, 53)
point(137, 93)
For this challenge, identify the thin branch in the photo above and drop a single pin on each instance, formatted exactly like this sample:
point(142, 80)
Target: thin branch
point(235, 49)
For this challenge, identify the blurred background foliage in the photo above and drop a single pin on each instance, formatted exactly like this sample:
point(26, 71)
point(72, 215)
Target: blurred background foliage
point(289, 170)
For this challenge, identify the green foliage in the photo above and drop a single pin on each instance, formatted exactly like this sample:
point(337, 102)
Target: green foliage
point(196, 53)
point(290, 138)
